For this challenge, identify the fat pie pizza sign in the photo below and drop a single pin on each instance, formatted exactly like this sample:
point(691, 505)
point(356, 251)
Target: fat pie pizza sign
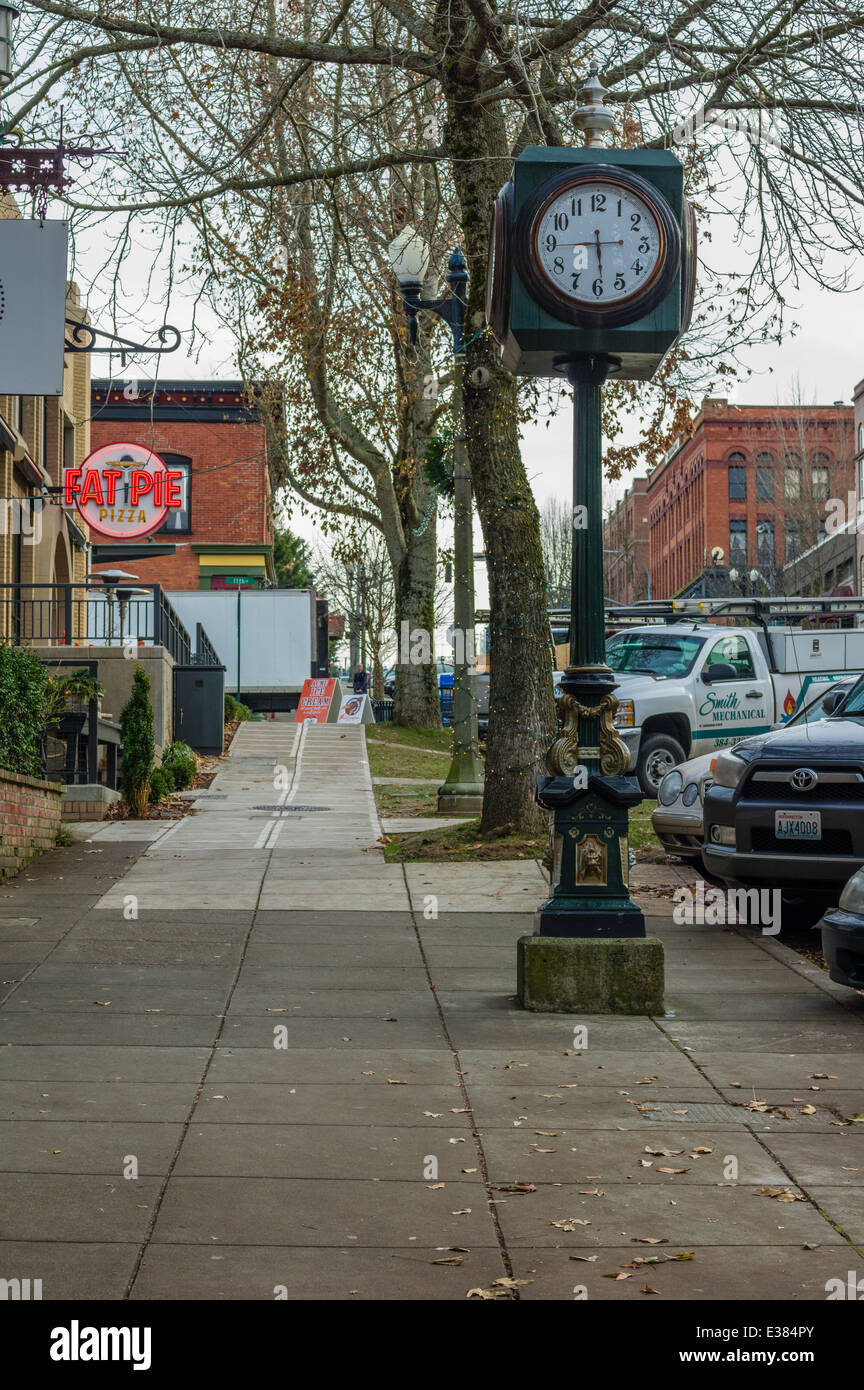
point(124, 491)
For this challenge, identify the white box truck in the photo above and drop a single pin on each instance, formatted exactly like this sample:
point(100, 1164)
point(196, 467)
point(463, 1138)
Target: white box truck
point(267, 639)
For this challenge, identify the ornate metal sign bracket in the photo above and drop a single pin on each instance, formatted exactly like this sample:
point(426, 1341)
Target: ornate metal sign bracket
point(81, 337)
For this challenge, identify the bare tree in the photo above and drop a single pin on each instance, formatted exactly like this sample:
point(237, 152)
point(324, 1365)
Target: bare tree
point(497, 79)
point(556, 536)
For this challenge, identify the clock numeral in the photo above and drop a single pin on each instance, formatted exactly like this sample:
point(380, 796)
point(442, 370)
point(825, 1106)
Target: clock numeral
point(552, 242)
point(558, 265)
point(576, 280)
point(575, 207)
point(620, 282)
point(561, 222)
point(597, 288)
point(644, 246)
point(635, 221)
point(637, 266)
point(619, 207)
point(598, 202)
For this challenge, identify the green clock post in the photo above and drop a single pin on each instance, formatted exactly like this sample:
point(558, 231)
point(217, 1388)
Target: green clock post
point(591, 276)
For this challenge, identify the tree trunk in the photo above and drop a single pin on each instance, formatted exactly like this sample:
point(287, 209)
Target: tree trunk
point(521, 704)
point(416, 703)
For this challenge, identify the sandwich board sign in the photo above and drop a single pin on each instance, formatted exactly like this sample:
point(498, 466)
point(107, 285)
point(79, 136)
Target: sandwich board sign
point(317, 705)
point(32, 306)
point(355, 709)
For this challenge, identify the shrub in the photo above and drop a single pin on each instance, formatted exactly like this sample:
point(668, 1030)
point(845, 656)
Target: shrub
point(23, 679)
point(161, 783)
point(136, 723)
point(179, 759)
point(235, 710)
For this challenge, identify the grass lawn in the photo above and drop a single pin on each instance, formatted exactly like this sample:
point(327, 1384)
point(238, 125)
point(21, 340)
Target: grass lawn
point(397, 752)
point(408, 800)
point(458, 842)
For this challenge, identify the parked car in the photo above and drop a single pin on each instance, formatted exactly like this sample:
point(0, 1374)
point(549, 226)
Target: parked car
point(843, 935)
point(787, 810)
point(677, 819)
point(688, 685)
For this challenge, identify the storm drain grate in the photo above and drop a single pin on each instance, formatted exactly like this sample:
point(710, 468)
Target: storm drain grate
point(289, 810)
point(707, 1114)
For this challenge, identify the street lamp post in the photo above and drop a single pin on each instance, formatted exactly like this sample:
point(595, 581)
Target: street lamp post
point(409, 256)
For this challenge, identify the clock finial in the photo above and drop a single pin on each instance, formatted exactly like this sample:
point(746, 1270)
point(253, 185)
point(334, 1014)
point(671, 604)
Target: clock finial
point(591, 116)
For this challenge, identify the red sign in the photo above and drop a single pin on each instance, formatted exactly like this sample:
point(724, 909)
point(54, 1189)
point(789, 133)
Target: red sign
point(315, 700)
point(124, 491)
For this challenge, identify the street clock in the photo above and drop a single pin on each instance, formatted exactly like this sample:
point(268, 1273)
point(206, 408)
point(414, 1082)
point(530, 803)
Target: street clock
point(591, 251)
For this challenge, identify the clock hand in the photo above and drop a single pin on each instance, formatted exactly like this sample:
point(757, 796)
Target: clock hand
point(599, 254)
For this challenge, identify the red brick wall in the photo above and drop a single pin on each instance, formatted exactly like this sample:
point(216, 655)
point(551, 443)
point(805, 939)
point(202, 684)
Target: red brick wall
point(229, 488)
point(689, 507)
point(29, 819)
point(626, 529)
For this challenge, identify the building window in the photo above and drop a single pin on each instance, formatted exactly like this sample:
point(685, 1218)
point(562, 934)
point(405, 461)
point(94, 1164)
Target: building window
point(44, 444)
point(179, 519)
point(820, 482)
point(792, 484)
point(765, 543)
point(737, 542)
point(737, 483)
point(793, 540)
point(764, 483)
point(860, 437)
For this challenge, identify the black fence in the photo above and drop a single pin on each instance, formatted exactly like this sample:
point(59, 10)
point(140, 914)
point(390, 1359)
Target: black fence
point(97, 614)
point(383, 711)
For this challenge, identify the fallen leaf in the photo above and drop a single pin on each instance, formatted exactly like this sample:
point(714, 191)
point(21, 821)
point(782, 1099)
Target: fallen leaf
point(782, 1194)
point(463, 1211)
point(620, 1275)
point(646, 1288)
point(701, 1150)
point(450, 1260)
point(433, 1114)
point(807, 1110)
point(662, 1153)
point(517, 1187)
point(591, 1192)
point(649, 1240)
point(435, 1186)
point(822, 1076)
point(646, 1080)
point(569, 1223)
point(391, 1082)
point(547, 1133)
point(103, 1003)
point(673, 1170)
point(587, 1259)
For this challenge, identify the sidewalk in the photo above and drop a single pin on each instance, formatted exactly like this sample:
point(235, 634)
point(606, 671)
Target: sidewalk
point(325, 1086)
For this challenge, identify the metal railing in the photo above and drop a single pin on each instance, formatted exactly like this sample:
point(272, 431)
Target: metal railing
point(64, 615)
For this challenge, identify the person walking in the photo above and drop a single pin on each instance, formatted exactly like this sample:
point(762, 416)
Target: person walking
point(361, 680)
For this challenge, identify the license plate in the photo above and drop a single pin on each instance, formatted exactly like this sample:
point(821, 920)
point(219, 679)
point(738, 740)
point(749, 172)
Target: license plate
point(798, 825)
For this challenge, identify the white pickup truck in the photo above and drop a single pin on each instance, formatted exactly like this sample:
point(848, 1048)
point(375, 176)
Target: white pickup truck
point(688, 686)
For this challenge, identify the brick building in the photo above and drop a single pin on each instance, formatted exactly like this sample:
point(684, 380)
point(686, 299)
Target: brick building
point(749, 490)
point(858, 425)
point(626, 546)
point(223, 533)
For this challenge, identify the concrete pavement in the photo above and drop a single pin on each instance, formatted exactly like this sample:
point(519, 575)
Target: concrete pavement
point(240, 1053)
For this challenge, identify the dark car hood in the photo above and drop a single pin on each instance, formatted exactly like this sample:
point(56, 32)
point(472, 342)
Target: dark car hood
point(826, 738)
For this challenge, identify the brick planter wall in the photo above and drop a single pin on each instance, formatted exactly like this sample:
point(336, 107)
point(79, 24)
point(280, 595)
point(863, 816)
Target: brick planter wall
point(29, 819)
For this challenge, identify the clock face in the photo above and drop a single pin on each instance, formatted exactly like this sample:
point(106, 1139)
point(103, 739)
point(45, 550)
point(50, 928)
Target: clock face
point(598, 243)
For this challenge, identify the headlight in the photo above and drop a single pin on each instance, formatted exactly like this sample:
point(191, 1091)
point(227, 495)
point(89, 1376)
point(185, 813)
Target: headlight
point(624, 716)
point(691, 792)
point(727, 769)
point(852, 897)
point(670, 788)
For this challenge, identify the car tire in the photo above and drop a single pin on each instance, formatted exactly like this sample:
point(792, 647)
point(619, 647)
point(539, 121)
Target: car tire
point(658, 755)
